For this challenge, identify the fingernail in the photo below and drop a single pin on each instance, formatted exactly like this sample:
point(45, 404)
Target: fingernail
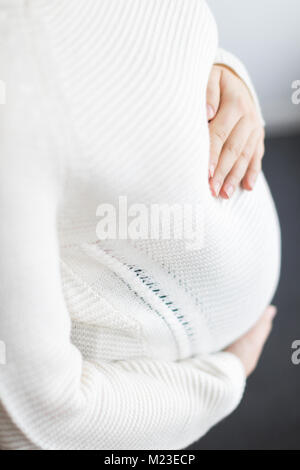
point(211, 171)
point(217, 187)
point(210, 112)
point(251, 181)
point(229, 189)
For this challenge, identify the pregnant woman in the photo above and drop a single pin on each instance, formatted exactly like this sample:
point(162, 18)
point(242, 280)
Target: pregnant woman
point(122, 343)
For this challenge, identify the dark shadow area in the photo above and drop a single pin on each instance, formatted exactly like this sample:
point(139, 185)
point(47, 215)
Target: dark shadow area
point(269, 415)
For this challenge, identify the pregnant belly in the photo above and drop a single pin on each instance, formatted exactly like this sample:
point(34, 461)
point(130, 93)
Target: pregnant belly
point(234, 277)
point(202, 299)
point(218, 292)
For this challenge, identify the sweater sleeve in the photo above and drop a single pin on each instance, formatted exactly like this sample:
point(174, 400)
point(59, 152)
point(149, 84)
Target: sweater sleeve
point(224, 57)
point(50, 397)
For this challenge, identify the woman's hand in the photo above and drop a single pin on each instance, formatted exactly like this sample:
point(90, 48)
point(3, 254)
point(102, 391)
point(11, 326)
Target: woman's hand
point(236, 133)
point(249, 347)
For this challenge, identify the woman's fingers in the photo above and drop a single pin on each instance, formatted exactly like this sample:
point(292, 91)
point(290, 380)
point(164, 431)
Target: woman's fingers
point(241, 165)
point(256, 338)
point(213, 93)
point(249, 347)
point(232, 116)
point(260, 332)
point(255, 165)
point(232, 151)
point(220, 129)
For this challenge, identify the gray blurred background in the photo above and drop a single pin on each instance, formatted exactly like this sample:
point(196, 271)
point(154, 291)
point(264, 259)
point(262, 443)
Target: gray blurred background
point(265, 34)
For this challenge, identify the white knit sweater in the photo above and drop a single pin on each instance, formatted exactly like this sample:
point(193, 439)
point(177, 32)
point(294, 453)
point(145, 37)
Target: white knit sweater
point(116, 344)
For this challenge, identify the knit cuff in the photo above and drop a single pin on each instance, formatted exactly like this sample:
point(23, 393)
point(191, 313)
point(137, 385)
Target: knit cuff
point(233, 372)
point(226, 58)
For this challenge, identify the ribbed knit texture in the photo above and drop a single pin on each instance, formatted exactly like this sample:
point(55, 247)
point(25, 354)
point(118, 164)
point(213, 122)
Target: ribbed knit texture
point(116, 344)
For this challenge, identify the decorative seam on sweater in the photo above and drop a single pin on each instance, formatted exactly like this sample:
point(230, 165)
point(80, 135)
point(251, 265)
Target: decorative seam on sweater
point(149, 295)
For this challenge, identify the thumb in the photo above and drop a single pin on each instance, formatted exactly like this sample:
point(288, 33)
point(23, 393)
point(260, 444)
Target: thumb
point(213, 93)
